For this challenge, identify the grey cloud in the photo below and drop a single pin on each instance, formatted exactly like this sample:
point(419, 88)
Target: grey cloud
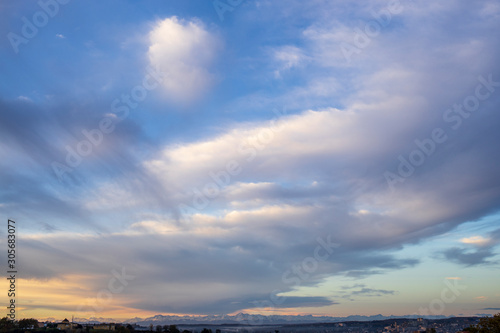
point(349, 292)
point(199, 264)
point(357, 285)
point(373, 292)
point(245, 302)
point(495, 236)
point(468, 258)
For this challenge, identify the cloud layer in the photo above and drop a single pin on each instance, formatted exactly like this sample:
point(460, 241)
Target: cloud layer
point(230, 205)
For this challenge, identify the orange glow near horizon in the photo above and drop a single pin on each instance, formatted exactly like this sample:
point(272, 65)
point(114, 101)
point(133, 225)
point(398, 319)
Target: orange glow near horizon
point(56, 299)
point(65, 297)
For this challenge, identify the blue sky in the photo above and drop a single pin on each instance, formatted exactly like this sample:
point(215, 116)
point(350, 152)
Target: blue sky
point(208, 149)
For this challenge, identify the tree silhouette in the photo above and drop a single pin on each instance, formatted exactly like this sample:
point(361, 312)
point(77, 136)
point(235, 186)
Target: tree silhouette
point(122, 329)
point(6, 324)
point(27, 323)
point(486, 325)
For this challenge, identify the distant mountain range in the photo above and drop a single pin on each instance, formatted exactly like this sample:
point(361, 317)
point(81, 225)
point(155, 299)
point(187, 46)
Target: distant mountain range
point(244, 319)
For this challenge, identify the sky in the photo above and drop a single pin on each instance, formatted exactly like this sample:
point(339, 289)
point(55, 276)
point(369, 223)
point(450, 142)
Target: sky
point(233, 156)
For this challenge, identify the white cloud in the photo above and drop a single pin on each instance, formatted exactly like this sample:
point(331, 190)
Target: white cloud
point(185, 51)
